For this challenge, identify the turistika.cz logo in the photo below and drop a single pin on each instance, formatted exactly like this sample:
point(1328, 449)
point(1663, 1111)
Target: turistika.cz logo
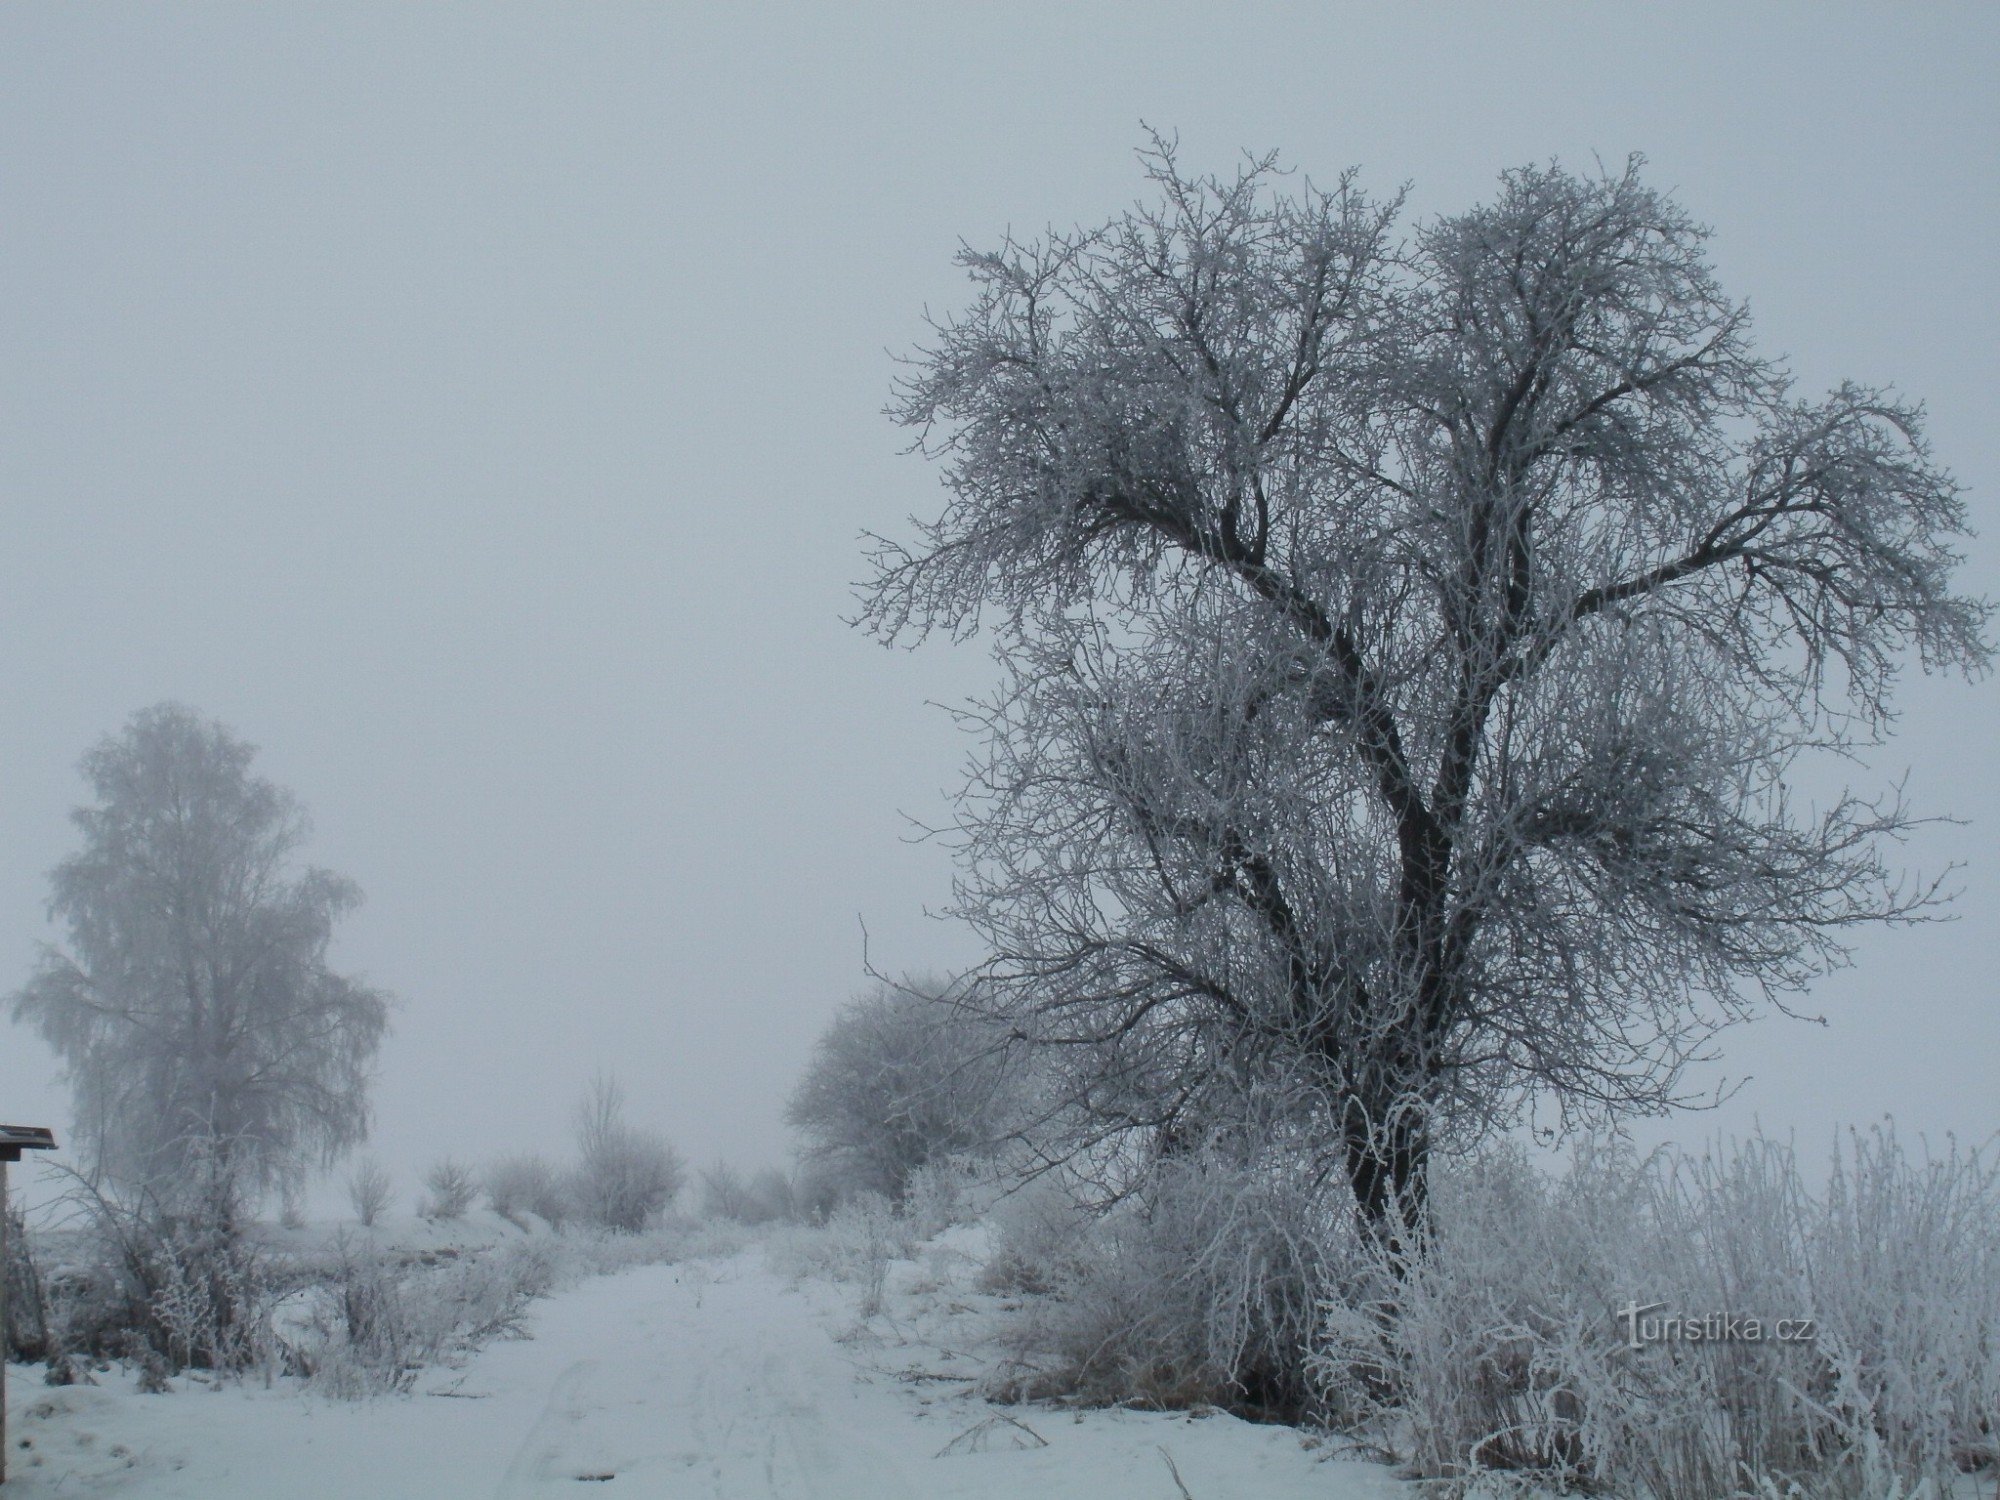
point(1644, 1324)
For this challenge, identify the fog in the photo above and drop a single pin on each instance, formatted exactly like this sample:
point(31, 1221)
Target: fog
point(478, 409)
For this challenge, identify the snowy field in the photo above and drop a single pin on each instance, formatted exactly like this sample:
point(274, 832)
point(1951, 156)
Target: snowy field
point(721, 1377)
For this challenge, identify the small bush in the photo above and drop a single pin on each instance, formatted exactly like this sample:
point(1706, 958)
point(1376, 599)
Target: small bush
point(1042, 1237)
point(591, 1251)
point(368, 1191)
point(816, 1192)
point(210, 1305)
point(449, 1188)
point(767, 1198)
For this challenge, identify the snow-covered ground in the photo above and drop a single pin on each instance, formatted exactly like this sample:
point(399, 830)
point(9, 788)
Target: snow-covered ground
point(709, 1378)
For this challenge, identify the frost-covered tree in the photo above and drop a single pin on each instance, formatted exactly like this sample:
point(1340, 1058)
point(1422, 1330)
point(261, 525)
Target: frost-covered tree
point(1410, 641)
point(213, 1053)
point(906, 1074)
point(624, 1176)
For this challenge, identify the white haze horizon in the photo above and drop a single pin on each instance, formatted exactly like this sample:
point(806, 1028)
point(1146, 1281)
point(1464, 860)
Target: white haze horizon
point(478, 412)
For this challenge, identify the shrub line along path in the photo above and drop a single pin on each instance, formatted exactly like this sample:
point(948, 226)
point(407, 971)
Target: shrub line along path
point(706, 1379)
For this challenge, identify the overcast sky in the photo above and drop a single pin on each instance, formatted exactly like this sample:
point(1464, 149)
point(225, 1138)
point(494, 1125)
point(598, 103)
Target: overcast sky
point(476, 408)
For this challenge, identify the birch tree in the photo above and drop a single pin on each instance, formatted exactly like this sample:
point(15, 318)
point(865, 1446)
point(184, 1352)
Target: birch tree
point(213, 1053)
point(1410, 637)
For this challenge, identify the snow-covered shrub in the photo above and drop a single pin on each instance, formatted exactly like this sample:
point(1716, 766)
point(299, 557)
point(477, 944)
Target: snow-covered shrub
point(623, 1177)
point(449, 1188)
point(1201, 1286)
point(1484, 1345)
point(368, 1191)
point(210, 1303)
point(591, 1251)
point(167, 1291)
point(91, 1309)
point(938, 1195)
point(868, 1227)
point(1501, 1347)
point(840, 1249)
point(708, 1239)
point(816, 1192)
point(627, 1182)
point(517, 1185)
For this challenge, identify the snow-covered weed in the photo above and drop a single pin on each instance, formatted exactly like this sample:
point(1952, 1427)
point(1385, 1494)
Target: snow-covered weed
point(854, 1245)
point(210, 1301)
point(1502, 1348)
point(1201, 1287)
point(382, 1318)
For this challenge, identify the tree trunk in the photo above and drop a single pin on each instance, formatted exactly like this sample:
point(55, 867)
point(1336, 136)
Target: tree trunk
point(1388, 1165)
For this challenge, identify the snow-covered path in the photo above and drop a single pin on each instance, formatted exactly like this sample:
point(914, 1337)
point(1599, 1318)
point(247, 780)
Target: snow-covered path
point(714, 1379)
point(723, 1387)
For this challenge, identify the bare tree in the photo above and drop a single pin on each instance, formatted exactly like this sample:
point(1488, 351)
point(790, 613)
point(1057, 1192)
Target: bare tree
point(1408, 646)
point(213, 1053)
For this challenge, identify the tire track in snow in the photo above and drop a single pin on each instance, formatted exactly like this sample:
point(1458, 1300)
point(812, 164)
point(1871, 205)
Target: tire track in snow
point(540, 1455)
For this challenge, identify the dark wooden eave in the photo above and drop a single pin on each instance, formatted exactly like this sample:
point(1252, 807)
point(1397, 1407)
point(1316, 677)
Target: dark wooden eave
point(14, 1139)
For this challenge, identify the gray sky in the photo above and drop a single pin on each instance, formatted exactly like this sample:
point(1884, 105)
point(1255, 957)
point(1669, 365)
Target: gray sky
point(476, 408)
